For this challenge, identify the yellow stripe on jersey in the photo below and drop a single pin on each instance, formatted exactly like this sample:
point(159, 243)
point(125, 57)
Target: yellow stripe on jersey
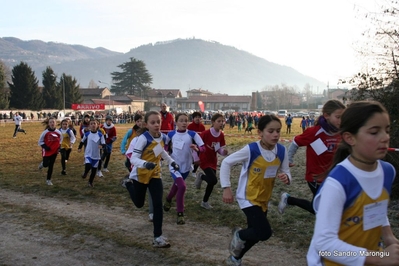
point(259, 189)
point(351, 228)
point(144, 175)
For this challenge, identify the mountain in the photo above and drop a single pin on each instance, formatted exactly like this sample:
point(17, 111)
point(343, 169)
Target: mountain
point(178, 64)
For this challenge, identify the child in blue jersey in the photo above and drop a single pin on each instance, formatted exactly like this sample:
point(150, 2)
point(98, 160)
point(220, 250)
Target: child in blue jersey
point(352, 226)
point(262, 161)
point(68, 139)
point(94, 141)
point(181, 142)
point(146, 172)
point(129, 136)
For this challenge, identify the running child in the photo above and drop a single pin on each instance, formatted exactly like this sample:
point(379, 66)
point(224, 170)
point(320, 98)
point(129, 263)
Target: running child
point(50, 141)
point(321, 142)
point(214, 141)
point(102, 131)
point(198, 127)
point(352, 226)
point(129, 136)
point(94, 141)
point(146, 173)
point(129, 167)
point(263, 161)
point(68, 139)
point(110, 133)
point(181, 143)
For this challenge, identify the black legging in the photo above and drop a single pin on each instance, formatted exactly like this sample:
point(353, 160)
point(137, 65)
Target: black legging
point(89, 167)
point(137, 193)
point(302, 203)
point(64, 156)
point(18, 129)
point(258, 228)
point(48, 161)
point(211, 180)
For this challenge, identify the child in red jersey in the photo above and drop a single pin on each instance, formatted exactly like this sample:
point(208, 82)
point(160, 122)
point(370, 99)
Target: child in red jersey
point(110, 133)
point(50, 141)
point(214, 143)
point(321, 142)
point(198, 127)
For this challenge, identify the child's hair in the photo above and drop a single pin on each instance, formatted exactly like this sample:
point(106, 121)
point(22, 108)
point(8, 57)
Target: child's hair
point(180, 114)
point(65, 120)
point(196, 114)
point(147, 115)
point(352, 119)
point(216, 117)
point(330, 107)
point(137, 117)
point(266, 119)
point(46, 121)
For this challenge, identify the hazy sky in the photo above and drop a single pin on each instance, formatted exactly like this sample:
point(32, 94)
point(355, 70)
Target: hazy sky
point(315, 37)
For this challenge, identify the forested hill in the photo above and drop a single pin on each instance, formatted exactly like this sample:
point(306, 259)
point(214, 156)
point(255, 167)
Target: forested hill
point(179, 64)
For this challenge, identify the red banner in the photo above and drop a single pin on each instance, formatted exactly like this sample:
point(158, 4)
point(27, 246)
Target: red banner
point(201, 105)
point(82, 106)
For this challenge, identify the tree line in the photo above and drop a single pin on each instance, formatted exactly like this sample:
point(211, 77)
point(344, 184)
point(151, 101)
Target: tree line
point(19, 87)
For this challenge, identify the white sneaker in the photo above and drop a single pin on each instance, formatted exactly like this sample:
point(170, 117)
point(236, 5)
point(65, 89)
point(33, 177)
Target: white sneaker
point(160, 242)
point(206, 205)
point(198, 180)
point(106, 170)
point(283, 202)
point(150, 217)
point(40, 166)
point(236, 244)
point(48, 182)
point(99, 174)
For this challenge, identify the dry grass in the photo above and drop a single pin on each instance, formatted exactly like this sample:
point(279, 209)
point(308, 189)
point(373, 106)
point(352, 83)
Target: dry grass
point(21, 156)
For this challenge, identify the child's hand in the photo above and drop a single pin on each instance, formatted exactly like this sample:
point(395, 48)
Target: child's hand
point(284, 177)
point(194, 147)
point(227, 195)
point(291, 164)
point(79, 150)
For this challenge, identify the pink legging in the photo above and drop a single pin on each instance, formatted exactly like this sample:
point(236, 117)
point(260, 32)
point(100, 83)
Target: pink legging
point(178, 189)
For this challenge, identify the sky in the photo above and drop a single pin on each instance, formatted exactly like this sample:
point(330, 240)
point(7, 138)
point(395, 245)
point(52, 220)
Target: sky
point(316, 37)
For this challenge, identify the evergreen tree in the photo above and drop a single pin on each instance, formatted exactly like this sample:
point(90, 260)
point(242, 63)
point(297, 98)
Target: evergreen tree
point(52, 95)
point(134, 78)
point(4, 99)
point(72, 92)
point(24, 89)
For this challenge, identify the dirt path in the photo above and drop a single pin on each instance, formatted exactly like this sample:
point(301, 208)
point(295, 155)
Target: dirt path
point(25, 243)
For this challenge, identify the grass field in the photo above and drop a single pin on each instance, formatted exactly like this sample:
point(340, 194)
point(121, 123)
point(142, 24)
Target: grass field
point(21, 156)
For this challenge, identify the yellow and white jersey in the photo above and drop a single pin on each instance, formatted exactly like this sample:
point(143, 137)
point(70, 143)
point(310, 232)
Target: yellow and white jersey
point(148, 149)
point(258, 173)
point(351, 209)
point(68, 138)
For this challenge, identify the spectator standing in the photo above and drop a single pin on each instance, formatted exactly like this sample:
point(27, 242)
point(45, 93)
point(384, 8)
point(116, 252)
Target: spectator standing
point(288, 122)
point(167, 123)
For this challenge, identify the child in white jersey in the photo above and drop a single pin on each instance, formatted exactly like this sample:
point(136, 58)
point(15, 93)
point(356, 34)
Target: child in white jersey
point(94, 141)
point(263, 161)
point(351, 206)
point(181, 143)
